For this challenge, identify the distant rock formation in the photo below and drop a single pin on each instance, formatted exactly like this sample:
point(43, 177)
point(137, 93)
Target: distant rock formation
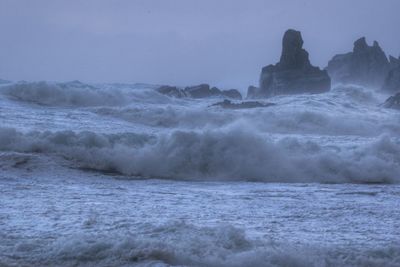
point(392, 81)
point(171, 91)
point(198, 91)
point(243, 105)
point(294, 73)
point(366, 65)
point(232, 93)
point(253, 91)
point(394, 62)
point(393, 102)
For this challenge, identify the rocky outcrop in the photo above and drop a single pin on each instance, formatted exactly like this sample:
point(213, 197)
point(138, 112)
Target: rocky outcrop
point(232, 93)
point(394, 62)
point(392, 81)
point(294, 73)
point(242, 105)
point(366, 65)
point(199, 91)
point(393, 102)
point(171, 91)
point(253, 92)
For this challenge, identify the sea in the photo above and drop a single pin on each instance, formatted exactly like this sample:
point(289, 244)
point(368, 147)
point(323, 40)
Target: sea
point(121, 175)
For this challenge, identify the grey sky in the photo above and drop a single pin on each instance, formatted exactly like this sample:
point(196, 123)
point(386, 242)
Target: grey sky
point(181, 42)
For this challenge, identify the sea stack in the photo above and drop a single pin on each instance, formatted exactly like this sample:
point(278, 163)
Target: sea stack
point(294, 73)
point(392, 81)
point(366, 65)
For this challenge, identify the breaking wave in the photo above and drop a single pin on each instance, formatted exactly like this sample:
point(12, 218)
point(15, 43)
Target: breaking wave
point(77, 94)
point(223, 154)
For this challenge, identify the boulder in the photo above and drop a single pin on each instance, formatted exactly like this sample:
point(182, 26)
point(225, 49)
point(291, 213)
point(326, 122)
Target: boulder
point(393, 102)
point(366, 65)
point(242, 105)
point(294, 73)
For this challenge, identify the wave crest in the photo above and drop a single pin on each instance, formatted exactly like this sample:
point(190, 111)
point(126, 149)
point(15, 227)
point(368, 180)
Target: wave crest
point(226, 154)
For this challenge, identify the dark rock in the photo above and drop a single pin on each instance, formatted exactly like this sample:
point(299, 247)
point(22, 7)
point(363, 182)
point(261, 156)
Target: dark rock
point(215, 91)
point(232, 93)
point(198, 91)
point(172, 91)
point(366, 65)
point(394, 62)
point(393, 102)
point(253, 92)
point(294, 73)
point(243, 105)
point(392, 81)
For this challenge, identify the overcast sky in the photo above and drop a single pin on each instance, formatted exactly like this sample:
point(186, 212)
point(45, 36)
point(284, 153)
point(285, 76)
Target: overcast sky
point(182, 42)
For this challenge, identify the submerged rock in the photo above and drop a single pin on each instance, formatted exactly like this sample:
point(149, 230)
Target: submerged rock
point(294, 73)
point(393, 102)
point(366, 65)
point(242, 105)
point(198, 91)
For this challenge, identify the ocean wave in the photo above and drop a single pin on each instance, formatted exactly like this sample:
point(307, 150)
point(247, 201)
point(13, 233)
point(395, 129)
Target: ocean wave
point(282, 119)
point(182, 244)
point(227, 154)
point(77, 94)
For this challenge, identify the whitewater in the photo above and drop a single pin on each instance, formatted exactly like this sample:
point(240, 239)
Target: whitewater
point(121, 175)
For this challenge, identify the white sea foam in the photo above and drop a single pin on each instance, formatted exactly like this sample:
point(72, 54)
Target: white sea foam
point(181, 244)
point(225, 154)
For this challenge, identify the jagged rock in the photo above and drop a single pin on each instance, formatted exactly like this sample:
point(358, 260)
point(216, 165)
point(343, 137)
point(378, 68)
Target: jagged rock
point(198, 91)
point(171, 91)
point(393, 102)
point(366, 65)
point(294, 73)
point(243, 105)
point(392, 81)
